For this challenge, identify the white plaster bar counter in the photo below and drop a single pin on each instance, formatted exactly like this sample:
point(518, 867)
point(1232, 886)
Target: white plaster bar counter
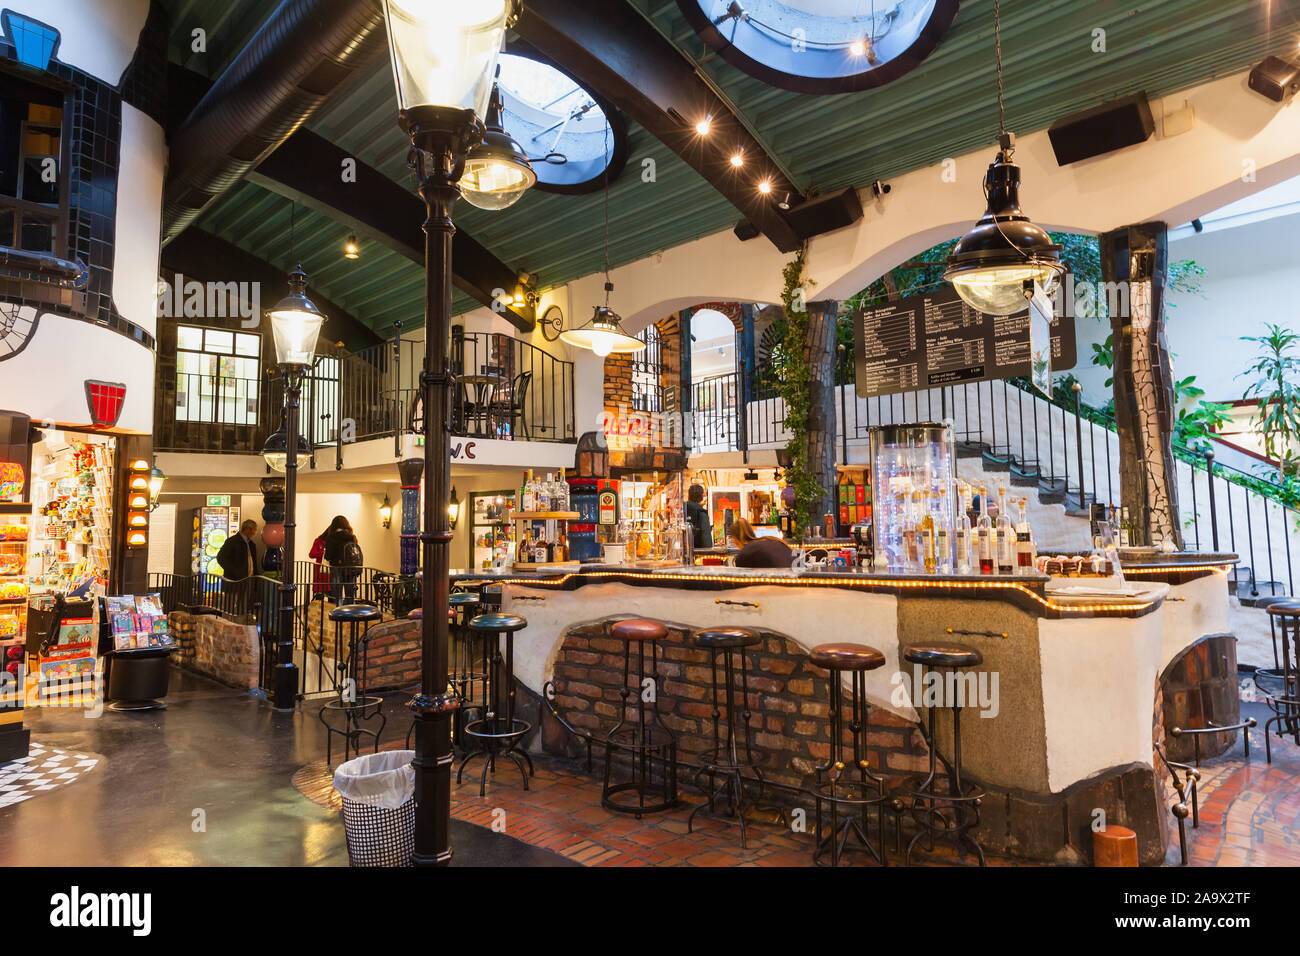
point(1066, 695)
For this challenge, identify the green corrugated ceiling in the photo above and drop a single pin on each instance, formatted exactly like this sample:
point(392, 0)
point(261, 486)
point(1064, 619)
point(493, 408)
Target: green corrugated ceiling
point(945, 107)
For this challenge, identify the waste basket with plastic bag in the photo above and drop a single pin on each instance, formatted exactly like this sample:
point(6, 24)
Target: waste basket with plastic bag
point(378, 793)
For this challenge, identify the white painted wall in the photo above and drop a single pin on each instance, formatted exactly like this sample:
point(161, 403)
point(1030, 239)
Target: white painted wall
point(142, 159)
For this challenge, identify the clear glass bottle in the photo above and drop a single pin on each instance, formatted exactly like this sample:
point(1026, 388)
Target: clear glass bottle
point(910, 550)
point(928, 546)
point(984, 535)
point(1004, 536)
point(962, 534)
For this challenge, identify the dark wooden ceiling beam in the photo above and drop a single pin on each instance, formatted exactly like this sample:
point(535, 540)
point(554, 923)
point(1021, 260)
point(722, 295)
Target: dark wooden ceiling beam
point(611, 49)
point(200, 255)
point(307, 168)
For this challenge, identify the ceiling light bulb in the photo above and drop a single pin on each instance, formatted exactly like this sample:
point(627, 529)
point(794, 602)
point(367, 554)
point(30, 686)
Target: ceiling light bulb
point(350, 248)
point(857, 48)
point(765, 187)
point(703, 126)
point(738, 159)
point(602, 343)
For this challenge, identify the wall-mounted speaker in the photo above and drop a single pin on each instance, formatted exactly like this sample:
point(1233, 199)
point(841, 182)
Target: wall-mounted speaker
point(1102, 129)
point(1275, 78)
point(825, 213)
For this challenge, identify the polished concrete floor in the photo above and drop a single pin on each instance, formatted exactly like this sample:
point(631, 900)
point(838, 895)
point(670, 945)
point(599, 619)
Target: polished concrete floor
point(205, 782)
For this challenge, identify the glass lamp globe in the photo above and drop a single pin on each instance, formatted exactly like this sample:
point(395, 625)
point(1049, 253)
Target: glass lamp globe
point(989, 265)
point(296, 323)
point(444, 52)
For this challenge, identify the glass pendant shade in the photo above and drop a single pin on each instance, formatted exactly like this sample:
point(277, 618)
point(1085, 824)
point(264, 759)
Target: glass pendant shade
point(156, 479)
point(276, 451)
point(444, 52)
point(603, 335)
point(497, 172)
point(990, 265)
point(296, 324)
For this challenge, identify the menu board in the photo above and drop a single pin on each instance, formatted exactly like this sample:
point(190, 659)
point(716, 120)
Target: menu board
point(925, 341)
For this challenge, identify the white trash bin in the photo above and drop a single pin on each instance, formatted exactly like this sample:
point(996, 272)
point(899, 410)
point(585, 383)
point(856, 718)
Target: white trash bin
point(378, 793)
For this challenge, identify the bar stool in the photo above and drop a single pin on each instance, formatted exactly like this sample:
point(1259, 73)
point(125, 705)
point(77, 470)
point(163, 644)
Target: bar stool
point(943, 805)
point(1281, 684)
point(497, 734)
point(352, 703)
point(834, 785)
point(724, 645)
point(646, 742)
point(464, 606)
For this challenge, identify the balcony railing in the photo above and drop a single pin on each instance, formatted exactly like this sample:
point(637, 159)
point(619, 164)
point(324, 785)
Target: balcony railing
point(508, 389)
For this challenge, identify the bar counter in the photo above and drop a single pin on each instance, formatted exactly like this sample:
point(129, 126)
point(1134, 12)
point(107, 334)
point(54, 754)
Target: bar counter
point(1069, 695)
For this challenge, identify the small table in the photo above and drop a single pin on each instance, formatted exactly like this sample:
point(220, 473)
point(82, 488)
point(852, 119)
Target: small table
point(485, 386)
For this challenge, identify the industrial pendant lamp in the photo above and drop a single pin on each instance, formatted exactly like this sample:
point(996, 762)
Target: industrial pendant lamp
point(995, 265)
point(497, 170)
point(604, 333)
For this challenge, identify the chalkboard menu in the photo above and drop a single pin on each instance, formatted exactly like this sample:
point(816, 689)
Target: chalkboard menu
point(925, 341)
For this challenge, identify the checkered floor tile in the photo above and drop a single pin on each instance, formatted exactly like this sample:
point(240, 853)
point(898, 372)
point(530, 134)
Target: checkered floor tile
point(42, 770)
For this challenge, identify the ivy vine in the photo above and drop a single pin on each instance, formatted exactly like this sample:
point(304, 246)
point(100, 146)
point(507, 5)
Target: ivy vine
point(794, 387)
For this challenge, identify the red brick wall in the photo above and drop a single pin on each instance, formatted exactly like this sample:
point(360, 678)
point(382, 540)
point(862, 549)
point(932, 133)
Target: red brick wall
point(787, 698)
point(392, 656)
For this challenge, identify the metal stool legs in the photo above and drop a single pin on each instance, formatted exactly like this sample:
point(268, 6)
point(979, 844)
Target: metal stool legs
point(497, 733)
point(942, 804)
point(724, 761)
point(646, 743)
point(836, 786)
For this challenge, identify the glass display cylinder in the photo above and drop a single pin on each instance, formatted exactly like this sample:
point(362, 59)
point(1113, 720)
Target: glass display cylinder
point(908, 460)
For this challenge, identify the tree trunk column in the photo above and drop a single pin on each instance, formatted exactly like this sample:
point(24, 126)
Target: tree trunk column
point(820, 355)
point(1134, 260)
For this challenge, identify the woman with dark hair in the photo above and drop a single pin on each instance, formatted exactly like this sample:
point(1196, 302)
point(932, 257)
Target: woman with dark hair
point(756, 552)
point(345, 558)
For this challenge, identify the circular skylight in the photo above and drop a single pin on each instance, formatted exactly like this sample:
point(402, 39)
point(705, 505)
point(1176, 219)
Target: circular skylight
point(549, 114)
point(822, 46)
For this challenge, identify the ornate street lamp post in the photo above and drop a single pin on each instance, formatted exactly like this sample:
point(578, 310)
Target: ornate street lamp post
point(444, 55)
point(295, 326)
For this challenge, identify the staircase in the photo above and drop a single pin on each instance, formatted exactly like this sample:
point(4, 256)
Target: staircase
point(1063, 459)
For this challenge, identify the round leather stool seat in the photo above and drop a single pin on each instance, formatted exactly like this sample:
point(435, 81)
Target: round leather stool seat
point(1114, 846)
point(461, 598)
point(846, 657)
point(1288, 608)
point(498, 623)
point(943, 655)
point(639, 629)
point(724, 637)
point(356, 612)
point(415, 614)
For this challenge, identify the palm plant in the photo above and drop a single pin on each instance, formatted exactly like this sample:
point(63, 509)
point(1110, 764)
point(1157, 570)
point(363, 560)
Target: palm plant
point(1276, 367)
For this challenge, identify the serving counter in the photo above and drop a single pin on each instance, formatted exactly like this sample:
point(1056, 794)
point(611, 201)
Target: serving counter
point(1068, 696)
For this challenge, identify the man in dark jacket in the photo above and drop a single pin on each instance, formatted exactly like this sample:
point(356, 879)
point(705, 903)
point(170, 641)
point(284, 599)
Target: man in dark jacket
point(698, 517)
point(238, 556)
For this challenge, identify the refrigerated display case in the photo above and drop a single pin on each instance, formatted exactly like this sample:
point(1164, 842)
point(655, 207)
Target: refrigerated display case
point(491, 530)
point(912, 470)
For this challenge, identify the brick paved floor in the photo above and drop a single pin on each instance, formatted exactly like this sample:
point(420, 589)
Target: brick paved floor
point(1249, 816)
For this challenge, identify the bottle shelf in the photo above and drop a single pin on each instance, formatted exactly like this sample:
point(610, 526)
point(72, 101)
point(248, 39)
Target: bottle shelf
point(547, 516)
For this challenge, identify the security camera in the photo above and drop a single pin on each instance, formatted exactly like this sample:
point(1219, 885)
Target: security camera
point(879, 188)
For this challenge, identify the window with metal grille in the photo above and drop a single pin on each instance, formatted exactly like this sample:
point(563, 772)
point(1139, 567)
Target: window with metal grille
point(218, 375)
point(647, 373)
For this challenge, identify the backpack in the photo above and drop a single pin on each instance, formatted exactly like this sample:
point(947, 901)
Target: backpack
point(351, 555)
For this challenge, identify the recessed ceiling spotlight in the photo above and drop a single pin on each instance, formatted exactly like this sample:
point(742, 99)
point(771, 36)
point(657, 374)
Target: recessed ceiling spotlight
point(765, 187)
point(703, 126)
point(738, 159)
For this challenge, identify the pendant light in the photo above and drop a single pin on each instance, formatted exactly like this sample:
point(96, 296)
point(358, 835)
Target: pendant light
point(995, 265)
point(604, 333)
point(497, 170)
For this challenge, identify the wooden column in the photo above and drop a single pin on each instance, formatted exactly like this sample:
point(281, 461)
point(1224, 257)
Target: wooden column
point(820, 355)
point(1135, 259)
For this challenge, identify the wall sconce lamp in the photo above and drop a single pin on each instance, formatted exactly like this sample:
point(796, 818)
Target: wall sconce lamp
point(386, 512)
point(453, 509)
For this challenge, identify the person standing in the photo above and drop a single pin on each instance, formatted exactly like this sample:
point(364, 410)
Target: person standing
point(238, 556)
point(345, 558)
point(701, 526)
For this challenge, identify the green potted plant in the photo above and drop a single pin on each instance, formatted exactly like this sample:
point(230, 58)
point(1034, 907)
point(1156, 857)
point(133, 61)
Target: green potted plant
point(1277, 394)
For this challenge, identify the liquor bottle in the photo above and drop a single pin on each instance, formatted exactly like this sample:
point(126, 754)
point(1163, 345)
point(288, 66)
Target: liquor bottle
point(526, 492)
point(1125, 529)
point(927, 533)
point(963, 536)
point(562, 489)
point(908, 517)
point(1026, 552)
point(984, 536)
point(1004, 536)
point(943, 543)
